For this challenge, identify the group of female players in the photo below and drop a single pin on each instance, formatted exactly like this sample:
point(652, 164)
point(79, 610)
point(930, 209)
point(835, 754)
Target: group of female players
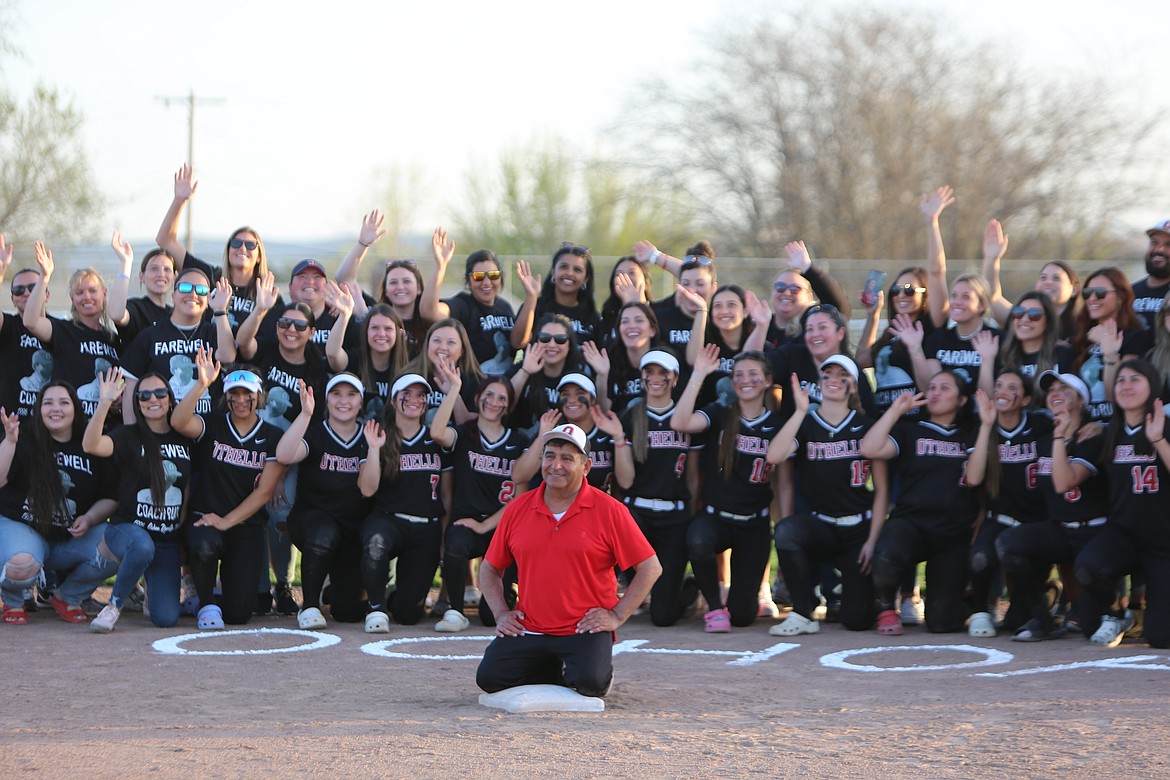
point(187, 436)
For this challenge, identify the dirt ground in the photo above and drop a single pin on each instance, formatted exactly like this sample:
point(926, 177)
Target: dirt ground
point(80, 704)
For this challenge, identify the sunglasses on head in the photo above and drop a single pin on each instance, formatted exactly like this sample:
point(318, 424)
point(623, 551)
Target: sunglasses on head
point(822, 308)
point(189, 287)
point(782, 287)
point(698, 260)
point(236, 243)
point(906, 289)
point(576, 249)
point(21, 289)
point(1095, 292)
point(284, 323)
point(560, 338)
point(146, 395)
point(403, 263)
point(1033, 314)
point(479, 276)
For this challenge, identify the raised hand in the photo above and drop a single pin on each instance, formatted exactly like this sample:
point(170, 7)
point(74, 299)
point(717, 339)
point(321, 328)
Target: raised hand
point(1155, 422)
point(123, 250)
point(907, 331)
point(185, 182)
point(986, 344)
point(266, 292)
point(111, 385)
point(44, 260)
point(1107, 335)
point(443, 248)
point(533, 358)
point(548, 421)
point(338, 299)
point(799, 395)
point(995, 241)
point(598, 359)
point(759, 311)
point(308, 401)
point(874, 307)
point(206, 367)
point(986, 407)
point(5, 256)
point(643, 251)
point(907, 401)
point(931, 204)
point(628, 289)
point(798, 256)
point(372, 230)
point(11, 425)
point(608, 422)
point(447, 376)
point(221, 294)
point(693, 298)
point(375, 436)
point(530, 283)
point(707, 361)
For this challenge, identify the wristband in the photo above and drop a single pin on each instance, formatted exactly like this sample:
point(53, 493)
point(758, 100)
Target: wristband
point(363, 243)
point(219, 314)
point(654, 257)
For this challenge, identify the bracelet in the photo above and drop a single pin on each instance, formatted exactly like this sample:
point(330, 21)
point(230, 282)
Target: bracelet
point(704, 311)
point(1110, 362)
point(654, 257)
point(221, 313)
point(1155, 441)
point(363, 243)
point(525, 370)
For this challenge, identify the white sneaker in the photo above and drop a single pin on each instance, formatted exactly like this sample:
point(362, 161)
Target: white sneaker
point(452, 622)
point(311, 619)
point(910, 612)
point(471, 596)
point(377, 622)
point(981, 625)
point(1112, 630)
point(106, 619)
point(767, 607)
point(794, 625)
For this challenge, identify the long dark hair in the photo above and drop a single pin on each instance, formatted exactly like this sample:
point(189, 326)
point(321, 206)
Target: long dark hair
point(1141, 444)
point(613, 304)
point(485, 383)
point(259, 271)
point(731, 425)
point(537, 385)
point(1072, 309)
point(151, 450)
point(922, 315)
point(416, 329)
point(46, 496)
point(621, 369)
point(548, 295)
point(398, 353)
point(1127, 320)
point(1012, 351)
point(714, 336)
point(313, 361)
point(994, 470)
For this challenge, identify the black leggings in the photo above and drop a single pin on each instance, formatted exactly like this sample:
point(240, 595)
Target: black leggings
point(1028, 553)
point(903, 543)
point(460, 545)
point(329, 548)
point(988, 575)
point(583, 662)
point(237, 553)
point(802, 541)
point(1115, 552)
point(416, 546)
point(667, 534)
point(750, 544)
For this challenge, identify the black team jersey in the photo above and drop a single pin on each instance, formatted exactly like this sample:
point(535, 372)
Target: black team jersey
point(415, 491)
point(136, 504)
point(831, 475)
point(748, 490)
point(1139, 487)
point(229, 465)
point(327, 477)
point(1019, 495)
point(483, 471)
point(660, 476)
point(1088, 500)
point(931, 462)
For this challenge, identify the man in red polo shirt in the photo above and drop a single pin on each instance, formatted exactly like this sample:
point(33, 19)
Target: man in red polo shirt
point(565, 538)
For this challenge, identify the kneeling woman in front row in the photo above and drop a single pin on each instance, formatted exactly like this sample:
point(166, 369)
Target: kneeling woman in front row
point(408, 474)
point(938, 460)
point(841, 524)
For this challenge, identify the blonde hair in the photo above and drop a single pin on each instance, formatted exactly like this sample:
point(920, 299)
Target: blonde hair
point(107, 325)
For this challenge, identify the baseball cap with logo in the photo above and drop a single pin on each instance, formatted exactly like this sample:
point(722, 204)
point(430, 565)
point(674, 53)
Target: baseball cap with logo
point(308, 265)
point(1161, 227)
point(570, 433)
point(1072, 380)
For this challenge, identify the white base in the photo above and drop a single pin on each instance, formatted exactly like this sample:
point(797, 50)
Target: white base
point(541, 698)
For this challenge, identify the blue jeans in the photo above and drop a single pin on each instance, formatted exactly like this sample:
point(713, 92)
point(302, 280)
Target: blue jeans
point(138, 555)
point(79, 554)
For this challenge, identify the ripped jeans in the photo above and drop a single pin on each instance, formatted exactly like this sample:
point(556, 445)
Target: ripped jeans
point(77, 553)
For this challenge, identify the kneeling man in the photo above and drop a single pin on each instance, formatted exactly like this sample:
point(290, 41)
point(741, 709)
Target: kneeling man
point(565, 538)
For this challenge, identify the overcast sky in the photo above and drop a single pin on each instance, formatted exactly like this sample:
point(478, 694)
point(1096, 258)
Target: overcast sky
point(313, 100)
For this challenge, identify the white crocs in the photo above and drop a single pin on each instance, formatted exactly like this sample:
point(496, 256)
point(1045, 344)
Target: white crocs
point(981, 625)
point(210, 618)
point(377, 622)
point(452, 622)
point(794, 625)
point(311, 619)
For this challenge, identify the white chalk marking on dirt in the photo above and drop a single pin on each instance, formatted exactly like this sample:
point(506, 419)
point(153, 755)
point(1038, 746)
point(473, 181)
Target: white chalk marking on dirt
point(1129, 662)
point(381, 649)
point(171, 645)
point(743, 657)
point(840, 660)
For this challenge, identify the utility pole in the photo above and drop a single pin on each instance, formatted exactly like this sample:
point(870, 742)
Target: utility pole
point(190, 101)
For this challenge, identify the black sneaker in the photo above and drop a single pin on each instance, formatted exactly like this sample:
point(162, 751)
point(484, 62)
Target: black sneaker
point(285, 603)
point(263, 603)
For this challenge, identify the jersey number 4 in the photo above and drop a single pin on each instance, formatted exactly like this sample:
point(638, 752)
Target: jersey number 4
point(1145, 479)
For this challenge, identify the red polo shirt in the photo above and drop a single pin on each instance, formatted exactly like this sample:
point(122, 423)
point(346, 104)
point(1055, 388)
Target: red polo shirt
point(566, 568)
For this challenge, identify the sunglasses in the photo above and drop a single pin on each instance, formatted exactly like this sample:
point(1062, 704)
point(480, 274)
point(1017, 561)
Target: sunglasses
point(906, 289)
point(1034, 315)
point(1096, 292)
point(146, 395)
point(189, 287)
point(284, 323)
point(479, 276)
point(576, 249)
point(782, 287)
point(560, 338)
point(698, 260)
point(236, 243)
point(822, 308)
point(21, 289)
point(242, 376)
point(404, 263)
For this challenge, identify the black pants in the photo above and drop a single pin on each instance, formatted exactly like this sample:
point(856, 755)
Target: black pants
point(988, 575)
point(802, 542)
point(460, 545)
point(750, 545)
point(329, 547)
point(583, 662)
point(903, 543)
point(416, 546)
point(667, 534)
point(1115, 552)
point(1028, 553)
point(237, 553)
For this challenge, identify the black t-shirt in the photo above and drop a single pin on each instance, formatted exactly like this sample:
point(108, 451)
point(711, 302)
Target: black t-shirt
point(1092, 371)
point(956, 353)
point(1136, 498)
point(586, 321)
point(171, 351)
point(135, 503)
point(1019, 496)
point(242, 301)
point(374, 398)
point(28, 367)
point(415, 491)
point(483, 471)
point(831, 475)
point(80, 353)
point(794, 358)
point(327, 477)
point(229, 465)
point(488, 328)
point(280, 383)
point(143, 313)
point(85, 479)
point(931, 463)
point(1088, 500)
point(893, 372)
point(1063, 359)
point(662, 475)
point(1147, 301)
point(748, 491)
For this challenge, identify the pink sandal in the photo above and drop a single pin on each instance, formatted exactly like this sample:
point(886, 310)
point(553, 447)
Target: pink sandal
point(889, 623)
point(717, 621)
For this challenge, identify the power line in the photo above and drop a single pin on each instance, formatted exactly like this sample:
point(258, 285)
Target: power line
point(190, 101)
